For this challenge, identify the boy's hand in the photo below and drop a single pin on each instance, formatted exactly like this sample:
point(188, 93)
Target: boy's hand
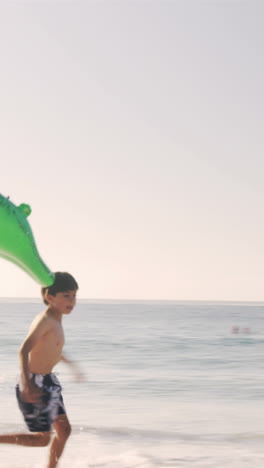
point(79, 376)
point(31, 393)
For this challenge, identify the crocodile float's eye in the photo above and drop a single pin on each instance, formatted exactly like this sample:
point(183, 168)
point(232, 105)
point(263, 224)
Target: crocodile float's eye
point(26, 210)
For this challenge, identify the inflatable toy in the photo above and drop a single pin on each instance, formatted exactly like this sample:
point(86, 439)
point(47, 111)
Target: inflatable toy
point(17, 243)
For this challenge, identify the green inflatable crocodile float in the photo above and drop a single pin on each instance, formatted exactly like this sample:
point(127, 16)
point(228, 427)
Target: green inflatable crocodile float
point(17, 242)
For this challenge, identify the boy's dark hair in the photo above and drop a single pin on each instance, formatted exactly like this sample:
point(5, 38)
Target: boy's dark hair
point(63, 282)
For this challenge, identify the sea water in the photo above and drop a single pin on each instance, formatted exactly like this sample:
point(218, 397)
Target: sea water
point(166, 384)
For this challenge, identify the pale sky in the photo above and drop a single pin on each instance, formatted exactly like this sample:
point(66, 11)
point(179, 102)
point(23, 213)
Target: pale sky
point(134, 130)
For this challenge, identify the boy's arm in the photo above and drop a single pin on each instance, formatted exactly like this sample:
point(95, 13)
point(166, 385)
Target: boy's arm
point(75, 368)
point(30, 391)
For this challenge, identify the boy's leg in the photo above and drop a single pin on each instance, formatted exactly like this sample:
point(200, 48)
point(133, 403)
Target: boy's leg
point(62, 431)
point(35, 439)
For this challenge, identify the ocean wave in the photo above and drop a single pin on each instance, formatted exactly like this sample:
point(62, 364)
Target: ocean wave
point(151, 435)
point(126, 433)
point(167, 436)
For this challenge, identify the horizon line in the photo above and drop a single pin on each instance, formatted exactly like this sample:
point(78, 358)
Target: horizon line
point(137, 300)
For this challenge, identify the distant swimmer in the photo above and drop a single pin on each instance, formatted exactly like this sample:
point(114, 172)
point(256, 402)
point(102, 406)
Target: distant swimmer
point(235, 329)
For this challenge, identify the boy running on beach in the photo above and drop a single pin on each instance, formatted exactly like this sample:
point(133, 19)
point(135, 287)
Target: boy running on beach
point(39, 391)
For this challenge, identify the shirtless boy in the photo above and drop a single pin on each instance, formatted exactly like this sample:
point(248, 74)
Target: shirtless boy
point(39, 391)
